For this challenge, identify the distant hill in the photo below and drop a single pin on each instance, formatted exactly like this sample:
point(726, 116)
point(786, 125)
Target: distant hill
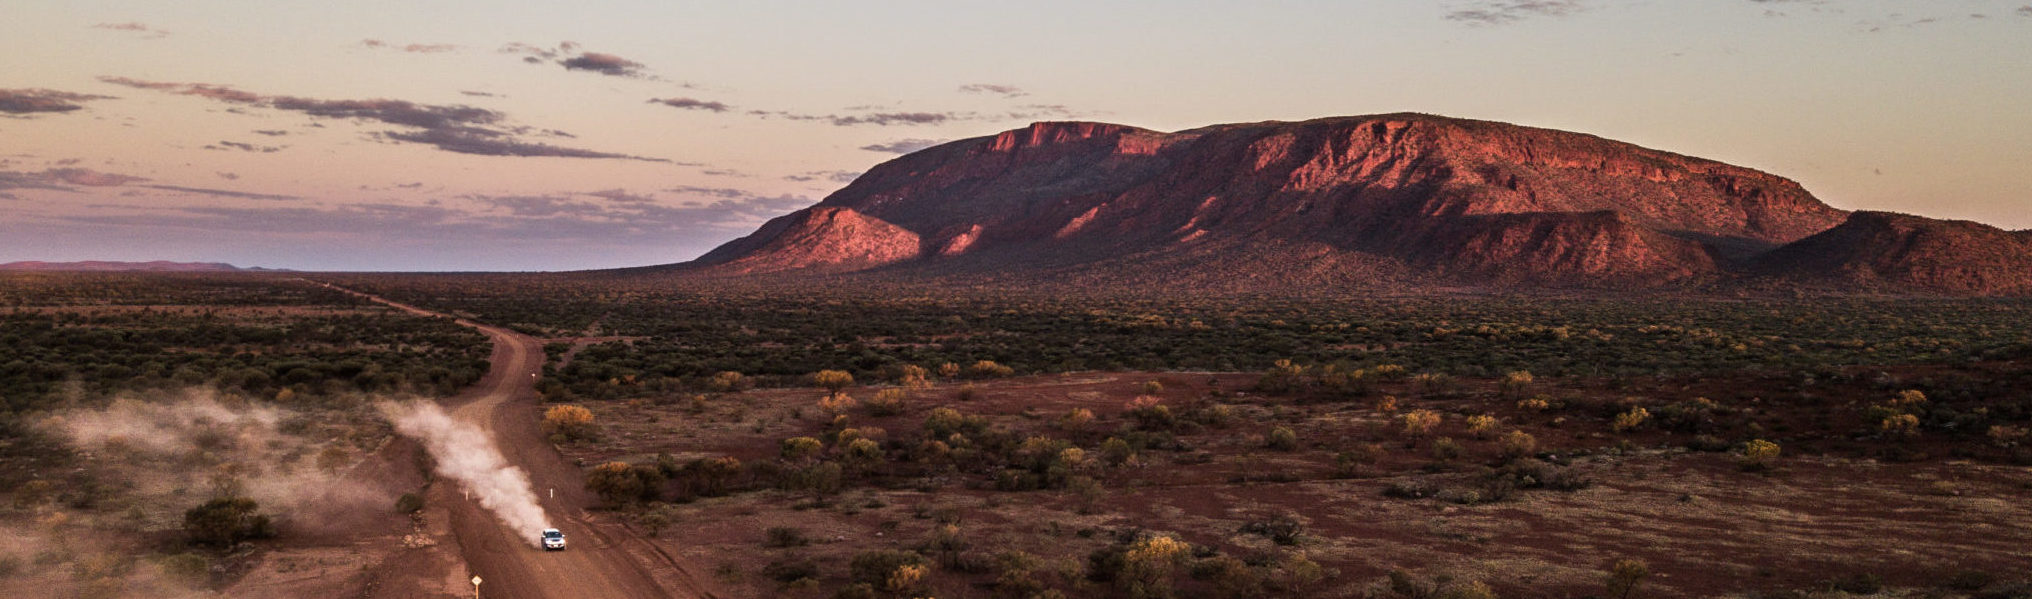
point(1396, 201)
point(106, 266)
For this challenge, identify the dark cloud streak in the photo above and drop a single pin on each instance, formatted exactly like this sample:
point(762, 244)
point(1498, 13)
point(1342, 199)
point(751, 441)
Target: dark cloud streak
point(1503, 12)
point(692, 104)
point(903, 146)
point(35, 101)
point(452, 128)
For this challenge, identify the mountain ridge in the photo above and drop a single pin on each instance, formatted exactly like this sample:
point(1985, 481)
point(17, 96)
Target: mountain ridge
point(1383, 201)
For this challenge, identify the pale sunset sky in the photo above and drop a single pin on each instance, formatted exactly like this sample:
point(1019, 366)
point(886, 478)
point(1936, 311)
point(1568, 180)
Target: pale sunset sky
point(514, 136)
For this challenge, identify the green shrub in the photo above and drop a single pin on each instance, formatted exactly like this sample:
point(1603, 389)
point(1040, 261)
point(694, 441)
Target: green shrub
point(226, 521)
point(1281, 439)
point(785, 536)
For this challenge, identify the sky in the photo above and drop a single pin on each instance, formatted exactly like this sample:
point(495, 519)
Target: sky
point(523, 136)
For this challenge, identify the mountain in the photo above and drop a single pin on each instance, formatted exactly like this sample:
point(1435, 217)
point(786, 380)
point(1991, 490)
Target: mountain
point(1901, 252)
point(105, 266)
point(1395, 201)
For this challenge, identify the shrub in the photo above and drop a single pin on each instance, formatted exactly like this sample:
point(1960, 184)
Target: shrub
point(784, 536)
point(1150, 413)
point(949, 370)
point(863, 454)
point(1630, 420)
point(1624, 576)
point(1419, 423)
point(1482, 426)
point(1282, 377)
point(987, 369)
point(1152, 387)
point(800, 448)
point(409, 503)
point(1538, 403)
point(1445, 449)
point(191, 569)
point(1518, 444)
point(1281, 439)
point(573, 423)
point(1387, 404)
point(874, 567)
point(226, 521)
point(1148, 564)
point(833, 381)
point(1909, 398)
point(2005, 435)
point(621, 483)
point(727, 381)
point(1435, 383)
point(1282, 529)
point(887, 402)
point(1076, 420)
point(1117, 451)
point(1758, 454)
point(913, 376)
point(821, 480)
point(836, 404)
point(787, 570)
point(1515, 383)
point(1902, 425)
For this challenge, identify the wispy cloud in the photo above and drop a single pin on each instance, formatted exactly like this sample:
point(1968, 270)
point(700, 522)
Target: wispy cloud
point(692, 104)
point(572, 58)
point(1502, 12)
point(223, 193)
point(244, 147)
point(600, 217)
point(833, 176)
point(452, 128)
point(1006, 91)
point(34, 101)
point(70, 179)
point(410, 48)
point(135, 27)
point(63, 179)
point(903, 146)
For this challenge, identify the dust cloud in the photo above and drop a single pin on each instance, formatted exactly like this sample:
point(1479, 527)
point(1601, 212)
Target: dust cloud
point(464, 453)
point(171, 444)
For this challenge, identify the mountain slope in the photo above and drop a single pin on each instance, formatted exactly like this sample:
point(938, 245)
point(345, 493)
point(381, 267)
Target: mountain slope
point(1901, 252)
point(1385, 201)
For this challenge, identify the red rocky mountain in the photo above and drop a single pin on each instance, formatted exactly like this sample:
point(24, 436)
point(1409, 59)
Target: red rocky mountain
point(1385, 201)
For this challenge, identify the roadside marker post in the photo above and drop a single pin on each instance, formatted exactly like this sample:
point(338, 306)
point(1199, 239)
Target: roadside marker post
point(476, 586)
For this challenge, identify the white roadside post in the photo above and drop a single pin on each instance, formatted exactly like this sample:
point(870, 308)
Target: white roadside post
point(476, 586)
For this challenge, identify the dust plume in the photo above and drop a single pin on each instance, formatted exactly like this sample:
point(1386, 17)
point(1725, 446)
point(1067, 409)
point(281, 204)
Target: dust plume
point(464, 453)
point(166, 445)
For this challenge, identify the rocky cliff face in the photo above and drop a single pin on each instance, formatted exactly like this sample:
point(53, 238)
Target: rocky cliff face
point(1387, 200)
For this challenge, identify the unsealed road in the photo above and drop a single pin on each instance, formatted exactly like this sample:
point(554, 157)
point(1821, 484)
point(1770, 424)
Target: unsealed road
point(604, 559)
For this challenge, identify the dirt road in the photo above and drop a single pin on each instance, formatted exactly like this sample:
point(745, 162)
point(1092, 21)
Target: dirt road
point(605, 558)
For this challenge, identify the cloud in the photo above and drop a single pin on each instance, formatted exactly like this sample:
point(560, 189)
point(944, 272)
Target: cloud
point(1502, 12)
point(903, 146)
point(136, 27)
point(489, 143)
point(567, 54)
point(692, 104)
point(70, 179)
point(61, 179)
point(598, 217)
point(244, 147)
point(410, 48)
point(2025, 11)
point(33, 101)
point(452, 128)
point(834, 176)
point(272, 132)
point(604, 64)
point(224, 193)
point(887, 119)
point(1006, 91)
point(480, 94)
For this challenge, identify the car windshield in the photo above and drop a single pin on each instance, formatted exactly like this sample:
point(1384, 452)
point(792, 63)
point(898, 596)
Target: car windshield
point(552, 534)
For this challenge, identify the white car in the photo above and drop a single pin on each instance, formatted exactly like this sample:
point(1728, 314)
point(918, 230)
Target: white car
point(553, 539)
